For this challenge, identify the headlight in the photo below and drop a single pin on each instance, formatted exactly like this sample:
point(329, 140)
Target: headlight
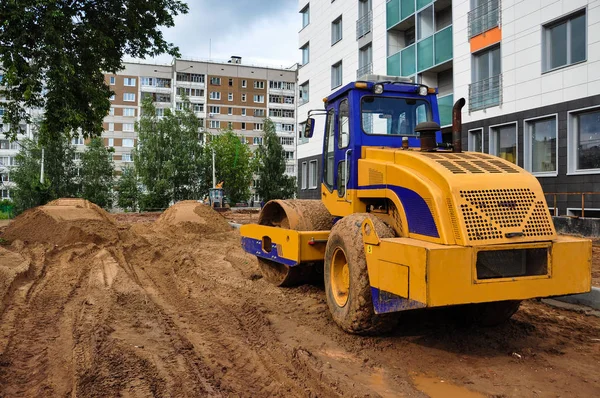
point(378, 88)
point(422, 90)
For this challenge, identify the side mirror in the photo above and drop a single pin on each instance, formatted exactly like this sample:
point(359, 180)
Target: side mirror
point(309, 128)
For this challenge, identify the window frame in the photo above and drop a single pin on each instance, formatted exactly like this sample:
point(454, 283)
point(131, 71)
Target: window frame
point(527, 147)
point(112, 80)
point(337, 27)
point(334, 67)
point(301, 87)
point(546, 43)
point(572, 142)
point(128, 100)
point(490, 141)
point(339, 120)
point(305, 11)
point(316, 172)
point(306, 47)
point(470, 141)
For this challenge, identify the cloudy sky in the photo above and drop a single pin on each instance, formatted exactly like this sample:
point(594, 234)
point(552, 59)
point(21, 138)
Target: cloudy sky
point(260, 31)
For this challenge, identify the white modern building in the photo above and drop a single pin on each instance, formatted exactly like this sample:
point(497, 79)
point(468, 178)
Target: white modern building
point(529, 71)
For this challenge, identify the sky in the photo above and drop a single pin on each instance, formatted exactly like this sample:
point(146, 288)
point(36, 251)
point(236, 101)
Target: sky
point(262, 32)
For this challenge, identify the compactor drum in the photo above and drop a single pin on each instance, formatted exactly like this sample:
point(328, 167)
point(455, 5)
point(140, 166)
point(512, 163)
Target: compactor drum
point(406, 222)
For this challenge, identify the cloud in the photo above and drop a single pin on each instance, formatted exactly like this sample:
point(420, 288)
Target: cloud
point(262, 32)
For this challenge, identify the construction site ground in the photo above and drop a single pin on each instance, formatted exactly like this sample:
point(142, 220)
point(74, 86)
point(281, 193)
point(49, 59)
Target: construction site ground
point(168, 305)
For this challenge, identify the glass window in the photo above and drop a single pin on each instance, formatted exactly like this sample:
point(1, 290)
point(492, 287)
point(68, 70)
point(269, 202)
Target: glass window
point(344, 125)
point(425, 23)
point(336, 75)
point(230, 97)
point(112, 80)
point(303, 93)
point(128, 127)
point(305, 16)
point(111, 126)
point(540, 151)
point(588, 140)
point(503, 142)
point(305, 53)
point(130, 97)
point(565, 41)
point(476, 140)
point(312, 174)
point(129, 81)
point(393, 116)
point(127, 142)
point(128, 111)
point(342, 175)
point(336, 30)
point(329, 149)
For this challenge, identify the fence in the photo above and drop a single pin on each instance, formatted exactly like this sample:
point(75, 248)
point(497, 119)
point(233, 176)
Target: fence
point(556, 195)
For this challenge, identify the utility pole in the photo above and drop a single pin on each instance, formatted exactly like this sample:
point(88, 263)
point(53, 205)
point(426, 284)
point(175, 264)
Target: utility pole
point(214, 174)
point(42, 168)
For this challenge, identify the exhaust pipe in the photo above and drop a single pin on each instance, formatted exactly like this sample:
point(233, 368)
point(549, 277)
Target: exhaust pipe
point(457, 125)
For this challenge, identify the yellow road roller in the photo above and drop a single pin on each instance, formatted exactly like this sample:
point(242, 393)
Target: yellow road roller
point(406, 222)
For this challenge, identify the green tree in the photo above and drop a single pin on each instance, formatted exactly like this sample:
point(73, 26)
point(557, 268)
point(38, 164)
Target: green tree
point(127, 190)
point(273, 183)
point(168, 156)
point(54, 54)
point(97, 173)
point(234, 165)
point(59, 173)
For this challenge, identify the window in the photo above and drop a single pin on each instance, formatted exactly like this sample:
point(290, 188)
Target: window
point(365, 60)
point(395, 116)
point(163, 83)
point(305, 53)
point(259, 113)
point(281, 113)
point(259, 98)
point(287, 127)
point(336, 75)
point(196, 78)
point(126, 157)
point(111, 142)
point(111, 126)
point(303, 94)
point(190, 92)
point(111, 111)
point(244, 83)
point(129, 97)
point(198, 107)
point(160, 112)
point(243, 97)
point(336, 30)
point(215, 81)
point(243, 125)
point(503, 142)
point(214, 110)
point(112, 98)
point(259, 85)
point(258, 126)
point(230, 82)
point(257, 140)
point(230, 97)
point(230, 111)
point(305, 16)
point(485, 91)
point(312, 174)
point(129, 112)
point(476, 140)
point(584, 141)
point(6, 194)
point(230, 125)
point(344, 125)
point(147, 81)
point(328, 145)
point(129, 81)
point(215, 124)
point(128, 127)
point(564, 42)
point(243, 111)
point(290, 168)
point(77, 141)
point(425, 23)
point(540, 146)
point(112, 80)
point(286, 140)
point(289, 155)
point(215, 95)
point(128, 142)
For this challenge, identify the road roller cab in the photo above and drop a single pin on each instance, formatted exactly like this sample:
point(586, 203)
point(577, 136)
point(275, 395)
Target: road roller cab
point(405, 222)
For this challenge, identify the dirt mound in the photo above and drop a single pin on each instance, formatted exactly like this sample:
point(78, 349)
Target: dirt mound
point(63, 222)
point(192, 217)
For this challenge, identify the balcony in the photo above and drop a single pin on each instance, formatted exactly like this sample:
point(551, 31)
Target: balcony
point(399, 10)
point(364, 70)
point(484, 17)
point(485, 93)
point(364, 25)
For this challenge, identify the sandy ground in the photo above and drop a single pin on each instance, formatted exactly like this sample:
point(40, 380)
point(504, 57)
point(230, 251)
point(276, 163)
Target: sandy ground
point(171, 306)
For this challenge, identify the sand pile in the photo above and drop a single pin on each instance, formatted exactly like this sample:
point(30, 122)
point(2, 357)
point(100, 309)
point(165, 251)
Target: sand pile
point(192, 217)
point(63, 222)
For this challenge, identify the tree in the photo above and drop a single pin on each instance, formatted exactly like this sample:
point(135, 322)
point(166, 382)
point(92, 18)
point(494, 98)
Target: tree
point(54, 54)
point(168, 156)
point(234, 165)
point(273, 183)
point(59, 173)
point(97, 173)
point(127, 189)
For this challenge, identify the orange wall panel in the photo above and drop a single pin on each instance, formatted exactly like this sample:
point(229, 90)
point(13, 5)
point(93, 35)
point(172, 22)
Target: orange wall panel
point(486, 39)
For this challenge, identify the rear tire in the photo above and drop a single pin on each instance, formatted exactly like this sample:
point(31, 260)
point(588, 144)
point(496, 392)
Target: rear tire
point(346, 277)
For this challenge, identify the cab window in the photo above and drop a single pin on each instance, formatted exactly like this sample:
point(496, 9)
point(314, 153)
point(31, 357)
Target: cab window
point(329, 145)
point(344, 125)
point(393, 116)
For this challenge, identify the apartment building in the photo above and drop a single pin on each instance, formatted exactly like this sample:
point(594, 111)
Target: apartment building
point(529, 71)
point(411, 38)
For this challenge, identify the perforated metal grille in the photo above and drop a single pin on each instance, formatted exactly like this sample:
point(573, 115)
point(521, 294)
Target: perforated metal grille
point(488, 212)
point(471, 163)
point(453, 219)
point(375, 177)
